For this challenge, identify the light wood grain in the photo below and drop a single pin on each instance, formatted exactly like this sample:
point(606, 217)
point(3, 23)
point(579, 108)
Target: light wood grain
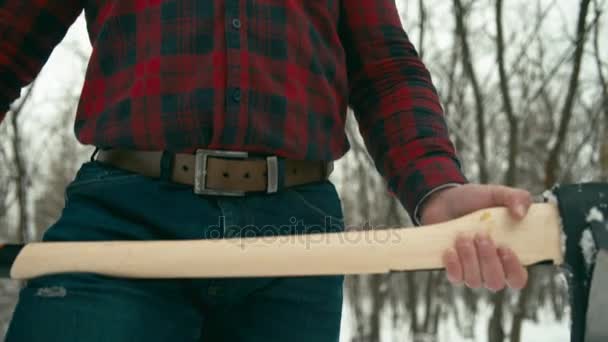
point(534, 239)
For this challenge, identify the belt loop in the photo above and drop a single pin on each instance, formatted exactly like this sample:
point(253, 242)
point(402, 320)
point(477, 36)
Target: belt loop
point(166, 165)
point(94, 153)
point(281, 173)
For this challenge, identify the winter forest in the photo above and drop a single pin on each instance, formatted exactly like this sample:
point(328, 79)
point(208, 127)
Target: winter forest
point(524, 85)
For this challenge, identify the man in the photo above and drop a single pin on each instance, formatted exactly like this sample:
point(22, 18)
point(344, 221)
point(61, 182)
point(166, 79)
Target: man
point(173, 89)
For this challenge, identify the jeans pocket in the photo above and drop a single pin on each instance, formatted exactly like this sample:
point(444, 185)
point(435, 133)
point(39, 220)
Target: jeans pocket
point(322, 202)
point(94, 173)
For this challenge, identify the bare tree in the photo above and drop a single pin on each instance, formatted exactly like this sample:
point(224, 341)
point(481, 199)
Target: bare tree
point(460, 14)
point(603, 85)
point(511, 174)
point(552, 165)
point(20, 172)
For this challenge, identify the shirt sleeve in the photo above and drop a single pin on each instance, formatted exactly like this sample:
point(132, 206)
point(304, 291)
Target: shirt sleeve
point(397, 106)
point(29, 30)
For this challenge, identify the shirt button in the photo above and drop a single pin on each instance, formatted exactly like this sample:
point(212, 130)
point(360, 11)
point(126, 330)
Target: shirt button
point(236, 95)
point(236, 23)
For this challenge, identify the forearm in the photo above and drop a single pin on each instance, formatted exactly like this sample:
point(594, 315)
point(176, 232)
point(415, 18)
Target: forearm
point(410, 144)
point(399, 112)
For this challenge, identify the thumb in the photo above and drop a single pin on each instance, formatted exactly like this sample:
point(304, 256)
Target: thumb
point(518, 201)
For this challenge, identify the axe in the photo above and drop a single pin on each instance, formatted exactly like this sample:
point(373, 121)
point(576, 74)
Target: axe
point(570, 231)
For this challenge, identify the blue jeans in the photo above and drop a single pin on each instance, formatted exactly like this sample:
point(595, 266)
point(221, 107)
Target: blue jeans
point(107, 203)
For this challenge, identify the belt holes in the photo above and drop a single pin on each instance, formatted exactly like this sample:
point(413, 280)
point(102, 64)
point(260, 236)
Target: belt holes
point(185, 168)
point(294, 171)
point(246, 175)
point(225, 174)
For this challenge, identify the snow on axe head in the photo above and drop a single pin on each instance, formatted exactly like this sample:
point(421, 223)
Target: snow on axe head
point(584, 212)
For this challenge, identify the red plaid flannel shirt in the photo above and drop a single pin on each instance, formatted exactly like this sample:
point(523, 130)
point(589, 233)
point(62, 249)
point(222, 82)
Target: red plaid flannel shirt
point(262, 76)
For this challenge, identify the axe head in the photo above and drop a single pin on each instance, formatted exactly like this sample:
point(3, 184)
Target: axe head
point(584, 212)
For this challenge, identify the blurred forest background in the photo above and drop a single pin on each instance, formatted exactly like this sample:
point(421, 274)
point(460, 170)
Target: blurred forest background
point(524, 84)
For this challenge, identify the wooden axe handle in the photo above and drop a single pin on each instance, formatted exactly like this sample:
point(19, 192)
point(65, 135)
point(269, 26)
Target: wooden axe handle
point(534, 239)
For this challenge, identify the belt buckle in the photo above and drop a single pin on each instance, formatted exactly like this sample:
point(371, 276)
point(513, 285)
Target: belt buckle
point(200, 172)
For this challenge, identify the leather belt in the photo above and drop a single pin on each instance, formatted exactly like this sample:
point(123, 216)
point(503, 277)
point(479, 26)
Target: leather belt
point(227, 173)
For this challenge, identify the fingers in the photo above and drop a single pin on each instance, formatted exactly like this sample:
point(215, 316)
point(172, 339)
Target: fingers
point(478, 262)
point(516, 275)
point(453, 267)
point(518, 201)
point(489, 263)
point(469, 261)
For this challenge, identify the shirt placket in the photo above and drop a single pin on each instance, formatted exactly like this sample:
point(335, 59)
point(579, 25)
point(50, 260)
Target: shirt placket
point(235, 94)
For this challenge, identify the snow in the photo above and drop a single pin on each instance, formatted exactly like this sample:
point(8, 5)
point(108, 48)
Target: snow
point(563, 238)
point(595, 215)
point(589, 249)
point(587, 243)
point(550, 197)
point(545, 329)
point(383, 287)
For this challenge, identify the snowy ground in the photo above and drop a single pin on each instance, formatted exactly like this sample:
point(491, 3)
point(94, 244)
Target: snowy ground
point(546, 330)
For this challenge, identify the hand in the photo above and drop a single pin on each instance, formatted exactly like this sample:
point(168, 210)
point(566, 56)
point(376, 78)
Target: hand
point(478, 261)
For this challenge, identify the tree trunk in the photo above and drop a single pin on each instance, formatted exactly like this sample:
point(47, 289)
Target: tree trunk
point(377, 296)
point(421, 28)
point(412, 302)
point(604, 88)
point(21, 176)
point(496, 332)
point(552, 164)
point(511, 175)
point(467, 60)
point(520, 314)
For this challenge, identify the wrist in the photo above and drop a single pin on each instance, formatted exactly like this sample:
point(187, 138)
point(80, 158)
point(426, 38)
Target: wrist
point(422, 211)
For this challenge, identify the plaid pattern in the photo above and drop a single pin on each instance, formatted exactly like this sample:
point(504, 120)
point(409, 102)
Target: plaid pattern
point(263, 76)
